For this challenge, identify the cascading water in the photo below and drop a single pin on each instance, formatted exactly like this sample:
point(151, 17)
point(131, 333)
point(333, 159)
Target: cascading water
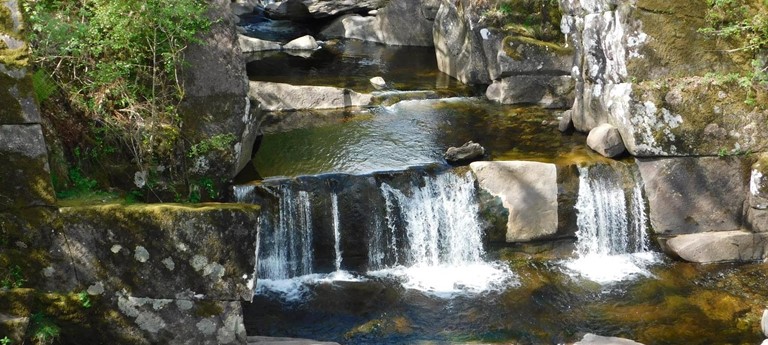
point(443, 239)
point(424, 233)
point(612, 240)
point(286, 242)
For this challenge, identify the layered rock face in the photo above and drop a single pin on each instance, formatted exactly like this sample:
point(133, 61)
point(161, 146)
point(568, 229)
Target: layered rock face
point(640, 66)
point(520, 68)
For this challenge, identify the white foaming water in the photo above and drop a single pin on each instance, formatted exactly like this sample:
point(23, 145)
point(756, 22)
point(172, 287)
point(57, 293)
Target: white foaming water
point(296, 289)
point(612, 243)
point(444, 240)
point(336, 231)
point(286, 242)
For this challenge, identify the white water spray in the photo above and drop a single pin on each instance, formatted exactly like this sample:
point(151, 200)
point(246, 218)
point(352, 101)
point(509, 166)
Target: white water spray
point(336, 230)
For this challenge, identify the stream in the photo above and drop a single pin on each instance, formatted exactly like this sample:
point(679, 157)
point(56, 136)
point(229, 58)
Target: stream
point(368, 237)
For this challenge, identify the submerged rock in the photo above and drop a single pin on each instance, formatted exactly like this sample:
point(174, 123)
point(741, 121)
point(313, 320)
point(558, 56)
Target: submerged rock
point(259, 340)
point(593, 339)
point(543, 90)
point(467, 152)
point(606, 140)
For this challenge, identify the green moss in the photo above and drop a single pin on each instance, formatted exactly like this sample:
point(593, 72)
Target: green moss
point(510, 44)
point(205, 309)
point(6, 21)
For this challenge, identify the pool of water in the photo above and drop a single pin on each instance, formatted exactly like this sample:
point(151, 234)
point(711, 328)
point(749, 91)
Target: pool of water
point(406, 134)
point(678, 303)
point(352, 63)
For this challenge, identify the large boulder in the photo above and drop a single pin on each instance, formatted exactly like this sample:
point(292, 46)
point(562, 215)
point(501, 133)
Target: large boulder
point(695, 194)
point(468, 152)
point(513, 55)
point(724, 246)
point(528, 190)
point(250, 44)
point(279, 97)
point(606, 140)
point(305, 42)
point(300, 10)
point(400, 22)
point(458, 44)
point(216, 97)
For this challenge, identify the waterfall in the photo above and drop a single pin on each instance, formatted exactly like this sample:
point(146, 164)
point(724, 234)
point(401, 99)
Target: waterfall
point(336, 230)
point(439, 220)
point(612, 237)
point(286, 241)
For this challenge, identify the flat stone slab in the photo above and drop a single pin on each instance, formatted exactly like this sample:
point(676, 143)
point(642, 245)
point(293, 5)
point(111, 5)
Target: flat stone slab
point(528, 190)
point(723, 246)
point(282, 97)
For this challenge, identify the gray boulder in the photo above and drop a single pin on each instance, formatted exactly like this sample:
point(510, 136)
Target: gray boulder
point(606, 140)
point(566, 122)
point(528, 190)
point(722, 246)
point(250, 44)
point(593, 339)
point(279, 97)
point(306, 42)
point(512, 55)
point(400, 22)
point(379, 83)
point(695, 194)
point(464, 153)
point(458, 44)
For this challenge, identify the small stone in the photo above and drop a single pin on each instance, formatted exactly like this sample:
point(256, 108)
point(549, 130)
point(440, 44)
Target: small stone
point(302, 43)
point(199, 262)
point(96, 289)
point(141, 254)
point(116, 248)
point(467, 152)
point(206, 326)
point(169, 264)
point(606, 140)
point(373, 12)
point(379, 83)
point(48, 271)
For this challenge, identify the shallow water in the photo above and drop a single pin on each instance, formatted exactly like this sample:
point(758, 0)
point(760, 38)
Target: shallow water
point(407, 134)
point(678, 303)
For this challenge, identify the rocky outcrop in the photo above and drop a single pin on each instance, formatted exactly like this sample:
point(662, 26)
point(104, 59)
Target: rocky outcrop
point(528, 190)
point(400, 22)
point(167, 272)
point(640, 66)
point(216, 97)
point(593, 339)
point(279, 97)
point(299, 10)
point(724, 246)
point(606, 140)
point(520, 68)
point(695, 194)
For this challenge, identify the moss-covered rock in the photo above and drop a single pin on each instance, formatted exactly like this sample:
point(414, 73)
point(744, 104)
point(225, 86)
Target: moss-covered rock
point(157, 251)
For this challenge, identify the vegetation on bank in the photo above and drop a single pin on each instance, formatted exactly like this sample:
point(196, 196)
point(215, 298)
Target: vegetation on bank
point(745, 21)
point(109, 81)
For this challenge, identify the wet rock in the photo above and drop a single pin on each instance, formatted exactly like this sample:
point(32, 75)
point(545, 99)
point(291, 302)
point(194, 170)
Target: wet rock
point(513, 55)
point(379, 83)
point(394, 96)
point(259, 340)
point(565, 124)
point(592, 339)
point(279, 97)
point(250, 44)
point(400, 22)
point(528, 190)
point(545, 91)
point(332, 8)
point(294, 10)
point(240, 7)
point(722, 246)
point(695, 194)
point(606, 140)
point(306, 42)
point(464, 153)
